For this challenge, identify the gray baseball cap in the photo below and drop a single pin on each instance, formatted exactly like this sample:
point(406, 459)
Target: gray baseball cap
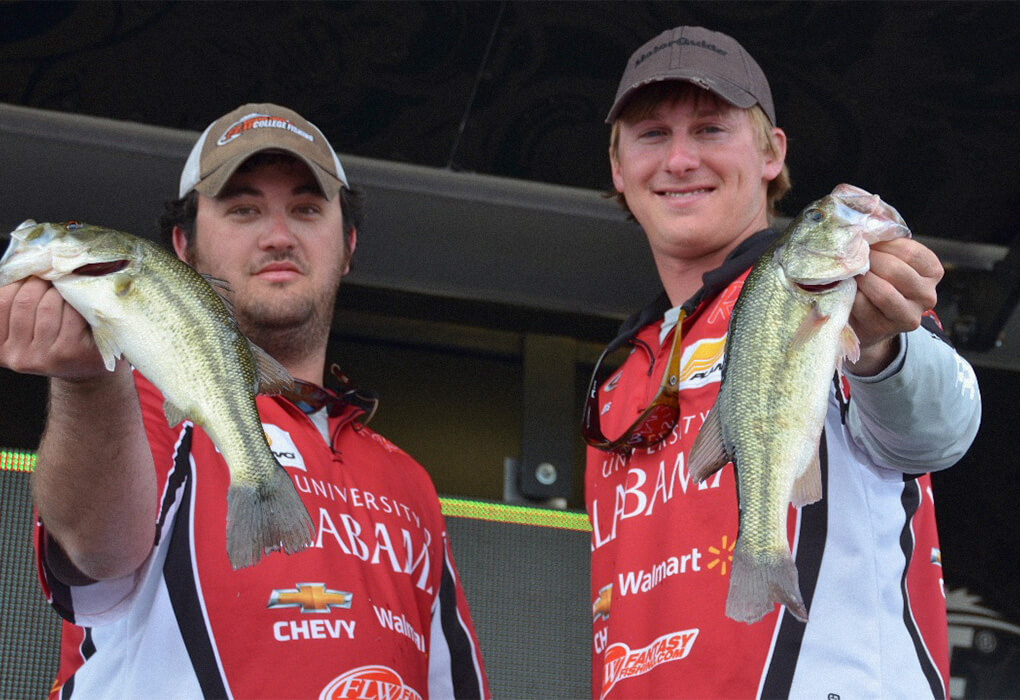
point(711, 60)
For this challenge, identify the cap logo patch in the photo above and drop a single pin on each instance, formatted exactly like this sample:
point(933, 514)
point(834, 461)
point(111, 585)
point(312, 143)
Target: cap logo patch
point(260, 121)
point(681, 41)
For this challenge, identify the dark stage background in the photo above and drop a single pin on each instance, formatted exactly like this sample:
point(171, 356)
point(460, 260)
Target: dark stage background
point(917, 101)
point(914, 100)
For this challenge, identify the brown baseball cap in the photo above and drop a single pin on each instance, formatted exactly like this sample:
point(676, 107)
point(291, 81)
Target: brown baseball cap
point(249, 129)
point(711, 60)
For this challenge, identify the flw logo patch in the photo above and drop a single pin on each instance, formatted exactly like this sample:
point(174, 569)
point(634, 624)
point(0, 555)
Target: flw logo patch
point(370, 683)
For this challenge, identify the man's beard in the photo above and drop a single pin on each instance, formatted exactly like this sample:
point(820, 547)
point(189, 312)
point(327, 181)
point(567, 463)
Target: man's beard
point(289, 328)
point(286, 329)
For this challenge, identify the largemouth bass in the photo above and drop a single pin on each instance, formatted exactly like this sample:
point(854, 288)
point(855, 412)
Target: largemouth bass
point(788, 334)
point(169, 322)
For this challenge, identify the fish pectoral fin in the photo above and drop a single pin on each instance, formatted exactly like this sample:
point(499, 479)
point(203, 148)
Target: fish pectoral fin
point(813, 320)
point(174, 415)
point(849, 346)
point(273, 377)
point(108, 347)
point(708, 454)
point(808, 487)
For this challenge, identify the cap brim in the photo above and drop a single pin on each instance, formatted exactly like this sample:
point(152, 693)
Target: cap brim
point(738, 97)
point(214, 182)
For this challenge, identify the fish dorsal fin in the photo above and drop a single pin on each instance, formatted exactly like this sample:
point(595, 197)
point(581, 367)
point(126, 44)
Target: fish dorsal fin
point(708, 454)
point(273, 378)
point(223, 288)
point(813, 320)
point(808, 487)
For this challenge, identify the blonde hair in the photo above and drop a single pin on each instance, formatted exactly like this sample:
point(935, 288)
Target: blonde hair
point(642, 104)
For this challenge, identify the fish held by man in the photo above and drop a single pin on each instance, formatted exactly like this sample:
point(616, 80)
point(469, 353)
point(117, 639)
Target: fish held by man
point(788, 334)
point(169, 322)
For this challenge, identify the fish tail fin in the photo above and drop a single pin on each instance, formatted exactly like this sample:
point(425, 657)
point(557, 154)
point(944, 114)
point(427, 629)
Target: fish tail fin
point(266, 518)
point(757, 583)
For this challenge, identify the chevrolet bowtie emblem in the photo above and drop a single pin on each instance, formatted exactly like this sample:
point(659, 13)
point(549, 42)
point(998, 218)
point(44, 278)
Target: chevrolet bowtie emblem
point(311, 598)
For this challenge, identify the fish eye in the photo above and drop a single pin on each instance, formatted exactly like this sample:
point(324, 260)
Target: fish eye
point(815, 215)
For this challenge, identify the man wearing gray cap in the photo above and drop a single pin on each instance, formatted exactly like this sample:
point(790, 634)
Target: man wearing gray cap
point(131, 541)
point(699, 163)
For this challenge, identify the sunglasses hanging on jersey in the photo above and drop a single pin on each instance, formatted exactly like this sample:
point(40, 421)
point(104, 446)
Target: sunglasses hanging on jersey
point(311, 398)
point(654, 424)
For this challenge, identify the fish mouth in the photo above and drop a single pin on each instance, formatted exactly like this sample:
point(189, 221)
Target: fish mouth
point(817, 288)
point(881, 220)
point(866, 203)
point(100, 269)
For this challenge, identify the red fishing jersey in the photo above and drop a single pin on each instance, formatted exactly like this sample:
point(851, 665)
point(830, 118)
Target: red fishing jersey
point(374, 609)
point(867, 553)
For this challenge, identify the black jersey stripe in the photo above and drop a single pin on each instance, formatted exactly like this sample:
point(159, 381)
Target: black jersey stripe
point(814, 525)
point(179, 575)
point(464, 674)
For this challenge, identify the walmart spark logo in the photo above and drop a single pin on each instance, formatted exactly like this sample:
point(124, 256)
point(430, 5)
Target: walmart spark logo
point(723, 555)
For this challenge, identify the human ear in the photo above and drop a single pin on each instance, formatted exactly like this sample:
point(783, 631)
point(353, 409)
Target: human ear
point(180, 241)
point(776, 156)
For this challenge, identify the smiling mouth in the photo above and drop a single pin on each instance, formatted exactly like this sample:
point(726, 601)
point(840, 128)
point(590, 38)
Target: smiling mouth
point(687, 193)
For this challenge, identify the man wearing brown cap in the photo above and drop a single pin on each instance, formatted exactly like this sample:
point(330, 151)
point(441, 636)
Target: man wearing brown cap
point(131, 540)
point(698, 161)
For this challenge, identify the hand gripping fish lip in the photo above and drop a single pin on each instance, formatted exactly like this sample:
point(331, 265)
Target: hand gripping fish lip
point(869, 218)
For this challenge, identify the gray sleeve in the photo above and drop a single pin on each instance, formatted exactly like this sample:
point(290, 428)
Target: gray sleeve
point(922, 413)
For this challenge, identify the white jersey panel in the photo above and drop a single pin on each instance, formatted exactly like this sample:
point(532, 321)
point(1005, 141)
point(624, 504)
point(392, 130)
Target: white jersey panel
point(135, 658)
point(848, 650)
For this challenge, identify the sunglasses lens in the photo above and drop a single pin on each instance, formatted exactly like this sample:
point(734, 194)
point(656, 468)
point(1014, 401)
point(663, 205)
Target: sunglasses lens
point(658, 422)
point(308, 397)
point(654, 426)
